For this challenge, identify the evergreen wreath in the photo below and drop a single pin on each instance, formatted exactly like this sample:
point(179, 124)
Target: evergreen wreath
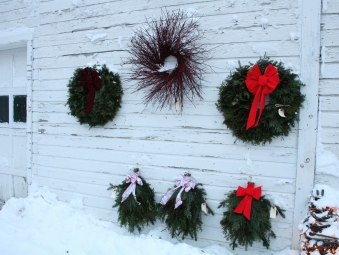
point(135, 212)
point(167, 61)
point(239, 230)
point(235, 102)
point(186, 218)
point(94, 107)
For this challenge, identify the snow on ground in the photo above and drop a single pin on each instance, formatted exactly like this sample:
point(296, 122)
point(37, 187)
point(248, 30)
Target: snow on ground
point(40, 225)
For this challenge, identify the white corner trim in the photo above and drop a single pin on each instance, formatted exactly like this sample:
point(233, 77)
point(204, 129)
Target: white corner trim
point(309, 67)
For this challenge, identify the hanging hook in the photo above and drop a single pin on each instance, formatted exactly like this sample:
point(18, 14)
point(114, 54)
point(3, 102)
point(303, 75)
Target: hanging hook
point(250, 180)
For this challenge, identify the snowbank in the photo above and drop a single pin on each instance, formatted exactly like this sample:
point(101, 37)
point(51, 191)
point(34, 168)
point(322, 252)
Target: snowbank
point(40, 225)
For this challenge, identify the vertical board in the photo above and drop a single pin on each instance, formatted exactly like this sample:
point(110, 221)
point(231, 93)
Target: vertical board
point(310, 50)
point(6, 187)
point(19, 186)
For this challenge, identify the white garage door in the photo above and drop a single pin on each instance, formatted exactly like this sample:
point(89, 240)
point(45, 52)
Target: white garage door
point(13, 115)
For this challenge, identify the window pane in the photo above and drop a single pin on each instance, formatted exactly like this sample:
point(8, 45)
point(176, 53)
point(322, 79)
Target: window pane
point(4, 109)
point(19, 108)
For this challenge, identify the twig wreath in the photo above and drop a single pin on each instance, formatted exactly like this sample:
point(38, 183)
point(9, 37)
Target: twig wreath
point(247, 218)
point(94, 95)
point(260, 102)
point(167, 61)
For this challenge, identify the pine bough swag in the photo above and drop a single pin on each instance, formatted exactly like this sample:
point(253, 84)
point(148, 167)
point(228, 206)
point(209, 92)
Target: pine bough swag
point(242, 231)
point(235, 101)
point(107, 98)
point(186, 219)
point(135, 213)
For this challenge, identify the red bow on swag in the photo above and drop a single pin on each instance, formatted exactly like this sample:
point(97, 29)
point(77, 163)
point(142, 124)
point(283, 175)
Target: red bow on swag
point(245, 204)
point(260, 85)
point(90, 79)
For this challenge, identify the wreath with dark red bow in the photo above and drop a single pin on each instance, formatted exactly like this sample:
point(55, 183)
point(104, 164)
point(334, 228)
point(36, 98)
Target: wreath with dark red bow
point(94, 95)
point(260, 102)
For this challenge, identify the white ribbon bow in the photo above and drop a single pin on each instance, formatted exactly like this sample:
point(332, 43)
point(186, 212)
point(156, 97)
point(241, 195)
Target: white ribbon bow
point(134, 179)
point(183, 182)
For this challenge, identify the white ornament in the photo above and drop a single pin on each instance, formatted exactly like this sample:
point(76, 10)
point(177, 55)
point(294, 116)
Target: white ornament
point(114, 194)
point(273, 212)
point(203, 208)
point(281, 112)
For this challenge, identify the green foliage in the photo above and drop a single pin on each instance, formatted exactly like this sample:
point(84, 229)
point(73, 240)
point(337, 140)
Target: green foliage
point(235, 102)
point(242, 231)
point(107, 100)
point(186, 219)
point(131, 214)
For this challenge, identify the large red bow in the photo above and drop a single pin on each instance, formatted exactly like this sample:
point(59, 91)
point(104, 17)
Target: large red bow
point(90, 79)
point(260, 85)
point(245, 204)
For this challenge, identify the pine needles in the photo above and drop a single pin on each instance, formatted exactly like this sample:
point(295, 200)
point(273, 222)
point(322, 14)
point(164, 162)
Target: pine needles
point(187, 218)
point(241, 231)
point(235, 102)
point(131, 214)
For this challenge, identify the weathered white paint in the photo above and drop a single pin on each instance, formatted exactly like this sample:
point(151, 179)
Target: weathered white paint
point(328, 90)
point(310, 49)
point(74, 160)
point(13, 65)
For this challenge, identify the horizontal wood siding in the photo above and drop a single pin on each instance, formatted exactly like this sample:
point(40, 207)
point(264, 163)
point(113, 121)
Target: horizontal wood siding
point(329, 85)
point(74, 160)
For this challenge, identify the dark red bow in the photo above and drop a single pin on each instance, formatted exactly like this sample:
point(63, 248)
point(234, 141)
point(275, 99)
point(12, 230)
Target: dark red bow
point(245, 204)
point(90, 79)
point(260, 85)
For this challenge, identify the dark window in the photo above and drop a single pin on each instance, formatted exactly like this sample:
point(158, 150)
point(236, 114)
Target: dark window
point(4, 109)
point(19, 108)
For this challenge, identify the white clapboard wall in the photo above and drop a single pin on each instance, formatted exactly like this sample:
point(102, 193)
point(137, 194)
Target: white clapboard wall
point(73, 160)
point(329, 89)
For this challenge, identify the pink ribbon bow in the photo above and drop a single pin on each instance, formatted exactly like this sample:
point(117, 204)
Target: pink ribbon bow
point(134, 179)
point(183, 182)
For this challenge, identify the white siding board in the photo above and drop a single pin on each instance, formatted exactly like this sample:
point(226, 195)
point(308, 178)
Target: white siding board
point(110, 8)
point(329, 103)
point(188, 135)
point(332, 6)
point(127, 160)
point(329, 87)
point(284, 155)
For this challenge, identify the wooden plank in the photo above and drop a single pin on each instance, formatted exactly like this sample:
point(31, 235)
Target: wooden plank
point(331, 70)
point(184, 134)
point(330, 135)
point(284, 155)
point(234, 166)
point(329, 87)
point(329, 103)
point(19, 186)
point(329, 38)
point(329, 21)
point(330, 6)
point(310, 52)
point(208, 21)
point(6, 186)
point(183, 163)
point(253, 34)
point(330, 119)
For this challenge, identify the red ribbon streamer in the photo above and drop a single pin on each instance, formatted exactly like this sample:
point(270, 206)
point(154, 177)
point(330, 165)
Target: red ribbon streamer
point(90, 79)
point(260, 85)
point(245, 204)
